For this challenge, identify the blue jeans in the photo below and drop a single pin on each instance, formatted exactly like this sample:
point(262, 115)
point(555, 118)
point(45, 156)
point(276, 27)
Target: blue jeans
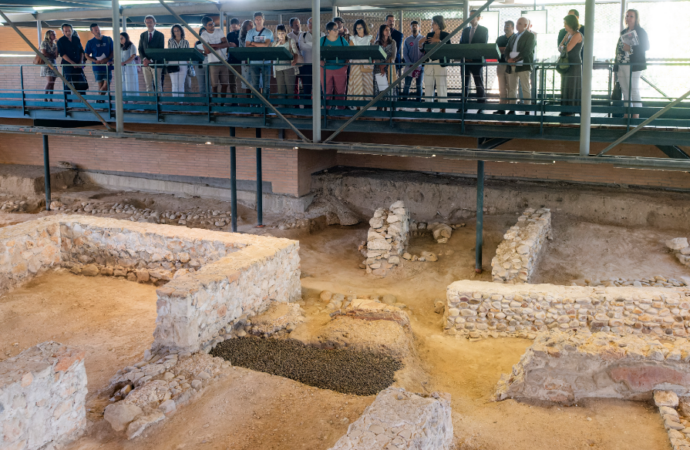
point(261, 75)
point(418, 89)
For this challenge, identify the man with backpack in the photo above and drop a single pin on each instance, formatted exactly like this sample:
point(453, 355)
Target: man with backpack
point(334, 73)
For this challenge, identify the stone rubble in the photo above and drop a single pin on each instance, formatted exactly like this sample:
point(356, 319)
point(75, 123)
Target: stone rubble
point(398, 419)
point(155, 387)
point(441, 232)
point(42, 397)
point(341, 301)
point(517, 256)
point(656, 281)
point(387, 239)
point(681, 249)
point(479, 309)
point(565, 367)
point(674, 413)
point(14, 206)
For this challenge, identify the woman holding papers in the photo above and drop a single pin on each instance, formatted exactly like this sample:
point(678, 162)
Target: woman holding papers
point(631, 59)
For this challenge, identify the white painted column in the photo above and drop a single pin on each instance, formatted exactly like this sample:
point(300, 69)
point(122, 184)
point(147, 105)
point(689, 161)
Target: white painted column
point(117, 73)
point(587, 69)
point(316, 68)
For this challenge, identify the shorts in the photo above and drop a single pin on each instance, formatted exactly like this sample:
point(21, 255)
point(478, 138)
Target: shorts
point(101, 74)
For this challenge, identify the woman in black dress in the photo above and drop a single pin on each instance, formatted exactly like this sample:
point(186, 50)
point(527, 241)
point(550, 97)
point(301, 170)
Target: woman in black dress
point(571, 81)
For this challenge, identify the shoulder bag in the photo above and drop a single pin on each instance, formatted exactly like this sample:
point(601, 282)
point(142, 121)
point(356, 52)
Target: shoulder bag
point(563, 63)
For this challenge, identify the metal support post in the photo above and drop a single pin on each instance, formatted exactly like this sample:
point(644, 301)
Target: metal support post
point(39, 29)
point(233, 182)
point(335, 12)
point(587, 69)
point(480, 217)
point(117, 63)
point(465, 9)
point(124, 20)
point(259, 187)
point(316, 70)
point(46, 164)
point(624, 9)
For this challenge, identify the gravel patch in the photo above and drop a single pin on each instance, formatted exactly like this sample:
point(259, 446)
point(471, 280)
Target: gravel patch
point(346, 371)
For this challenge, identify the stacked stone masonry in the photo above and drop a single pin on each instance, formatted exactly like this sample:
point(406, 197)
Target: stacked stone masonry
point(401, 420)
point(675, 413)
point(566, 367)
point(681, 248)
point(518, 254)
point(213, 280)
point(387, 238)
point(481, 309)
point(42, 398)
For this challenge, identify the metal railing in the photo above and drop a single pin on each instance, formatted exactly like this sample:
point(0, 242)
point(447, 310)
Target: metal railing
point(22, 94)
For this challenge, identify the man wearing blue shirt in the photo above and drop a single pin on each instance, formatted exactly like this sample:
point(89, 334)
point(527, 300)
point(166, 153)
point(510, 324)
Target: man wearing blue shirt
point(413, 53)
point(99, 51)
point(259, 37)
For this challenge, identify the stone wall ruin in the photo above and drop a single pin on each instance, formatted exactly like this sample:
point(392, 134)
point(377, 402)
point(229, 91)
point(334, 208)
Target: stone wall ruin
point(42, 397)
point(517, 256)
point(481, 309)
point(387, 238)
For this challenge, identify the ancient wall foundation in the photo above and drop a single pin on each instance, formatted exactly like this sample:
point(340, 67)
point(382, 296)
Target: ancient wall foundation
point(211, 278)
point(566, 367)
point(517, 256)
point(481, 309)
point(400, 419)
point(680, 248)
point(42, 397)
point(387, 238)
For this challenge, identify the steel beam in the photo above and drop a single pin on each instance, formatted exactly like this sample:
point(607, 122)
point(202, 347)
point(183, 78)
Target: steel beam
point(467, 154)
point(410, 69)
point(117, 62)
point(55, 70)
point(316, 70)
point(259, 185)
point(479, 240)
point(673, 151)
point(587, 70)
point(46, 165)
point(491, 143)
point(233, 182)
point(645, 123)
point(256, 93)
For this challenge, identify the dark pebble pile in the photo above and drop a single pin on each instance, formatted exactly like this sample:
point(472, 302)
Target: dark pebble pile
point(347, 371)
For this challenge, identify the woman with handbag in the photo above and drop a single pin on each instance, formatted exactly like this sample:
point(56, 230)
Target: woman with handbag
point(177, 69)
point(49, 50)
point(386, 73)
point(631, 59)
point(285, 73)
point(361, 84)
point(571, 80)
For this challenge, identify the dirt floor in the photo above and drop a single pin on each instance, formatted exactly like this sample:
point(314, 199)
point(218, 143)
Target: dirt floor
point(252, 410)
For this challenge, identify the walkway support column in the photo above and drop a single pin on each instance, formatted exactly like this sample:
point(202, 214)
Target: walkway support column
point(39, 29)
point(117, 62)
point(46, 174)
point(480, 217)
point(233, 183)
point(316, 69)
point(587, 69)
point(624, 9)
point(466, 9)
point(259, 186)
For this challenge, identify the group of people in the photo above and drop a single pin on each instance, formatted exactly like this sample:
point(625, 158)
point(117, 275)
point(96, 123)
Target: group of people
point(359, 80)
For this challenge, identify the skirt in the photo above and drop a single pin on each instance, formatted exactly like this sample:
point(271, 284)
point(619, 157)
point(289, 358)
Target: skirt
point(361, 85)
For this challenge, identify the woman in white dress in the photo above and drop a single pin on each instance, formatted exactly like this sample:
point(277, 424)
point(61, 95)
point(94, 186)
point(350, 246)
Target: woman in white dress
point(130, 77)
point(177, 69)
point(361, 83)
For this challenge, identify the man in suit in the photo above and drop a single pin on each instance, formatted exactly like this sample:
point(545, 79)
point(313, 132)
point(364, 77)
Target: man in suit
point(562, 33)
point(151, 38)
point(475, 34)
point(519, 53)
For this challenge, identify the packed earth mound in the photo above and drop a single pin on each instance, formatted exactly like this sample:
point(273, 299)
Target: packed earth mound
point(347, 371)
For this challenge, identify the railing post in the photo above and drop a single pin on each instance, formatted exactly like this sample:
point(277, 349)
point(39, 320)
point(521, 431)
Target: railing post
point(117, 72)
point(259, 186)
point(587, 69)
point(46, 164)
point(480, 217)
point(233, 183)
point(21, 85)
point(316, 70)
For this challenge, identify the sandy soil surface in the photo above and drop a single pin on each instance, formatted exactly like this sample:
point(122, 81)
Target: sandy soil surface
point(114, 320)
point(581, 250)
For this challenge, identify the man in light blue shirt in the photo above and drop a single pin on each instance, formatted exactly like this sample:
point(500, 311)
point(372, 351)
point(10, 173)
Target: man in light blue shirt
point(260, 37)
point(411, 54)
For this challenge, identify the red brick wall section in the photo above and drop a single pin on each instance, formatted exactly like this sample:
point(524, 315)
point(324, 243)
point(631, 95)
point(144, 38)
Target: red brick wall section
point(279, 165)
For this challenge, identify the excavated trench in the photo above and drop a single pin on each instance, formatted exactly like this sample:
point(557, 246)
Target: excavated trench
point(342, 370)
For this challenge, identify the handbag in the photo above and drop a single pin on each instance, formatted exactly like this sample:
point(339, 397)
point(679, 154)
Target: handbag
point(38, 60)
point(191, 72)
point(563, 64)
point(80, 83)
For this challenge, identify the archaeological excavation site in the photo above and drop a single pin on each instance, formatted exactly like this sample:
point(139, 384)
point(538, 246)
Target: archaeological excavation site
point(230, 230)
